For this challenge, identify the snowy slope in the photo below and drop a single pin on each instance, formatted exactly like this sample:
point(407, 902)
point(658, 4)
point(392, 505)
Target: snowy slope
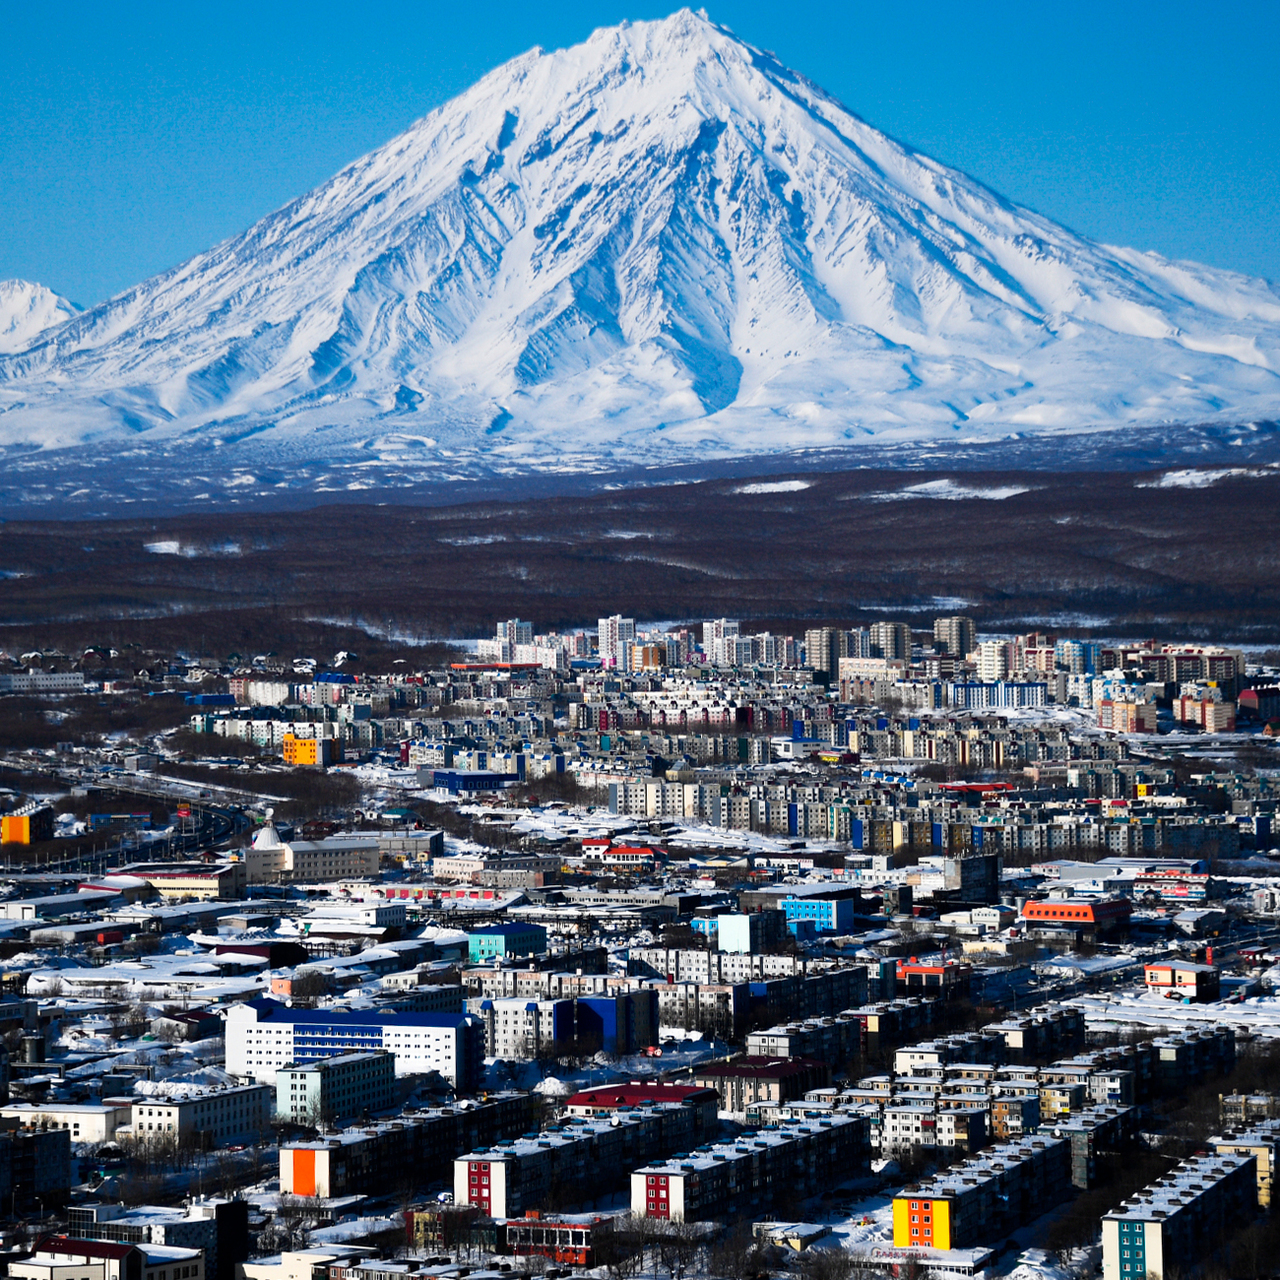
point(26, 311)
point(660, 244)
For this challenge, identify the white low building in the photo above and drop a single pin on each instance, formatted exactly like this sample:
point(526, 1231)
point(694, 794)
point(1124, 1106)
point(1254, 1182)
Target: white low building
point(85, 1123)
point(210, 1116)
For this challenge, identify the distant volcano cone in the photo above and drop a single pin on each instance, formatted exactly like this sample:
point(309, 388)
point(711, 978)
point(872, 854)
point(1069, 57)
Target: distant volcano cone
point(656, 246)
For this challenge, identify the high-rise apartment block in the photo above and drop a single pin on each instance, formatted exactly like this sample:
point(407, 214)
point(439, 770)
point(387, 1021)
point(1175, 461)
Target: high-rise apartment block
point(890, 640)
point(956, 636)
point(616, 636)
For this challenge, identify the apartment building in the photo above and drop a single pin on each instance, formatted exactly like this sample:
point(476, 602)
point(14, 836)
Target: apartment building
point(903, 1127)
point(1262, 1142)
point(620, 1023)
point(985, 1197)
point(742, 1178)
point(373, 1159)
point(1175, 1223)
point(581, 1157)
point(836, 1040)
point(262, 1036)
point(325, 1089)
point(747, 1081)
point(1093, 1130)
point(208, 1117)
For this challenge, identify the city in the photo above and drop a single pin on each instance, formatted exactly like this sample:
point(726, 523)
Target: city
point(673, 949)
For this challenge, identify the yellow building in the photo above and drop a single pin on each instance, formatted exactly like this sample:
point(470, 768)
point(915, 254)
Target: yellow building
point(921, 1222)
point(1263, 1144)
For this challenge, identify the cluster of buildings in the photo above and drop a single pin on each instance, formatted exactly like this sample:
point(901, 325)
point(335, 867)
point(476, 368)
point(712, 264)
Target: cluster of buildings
point(770, 885)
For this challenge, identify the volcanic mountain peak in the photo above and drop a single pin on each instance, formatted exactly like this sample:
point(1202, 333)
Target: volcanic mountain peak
point(658, 245)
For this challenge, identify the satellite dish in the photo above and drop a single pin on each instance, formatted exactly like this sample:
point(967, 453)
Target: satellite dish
point(271, 813)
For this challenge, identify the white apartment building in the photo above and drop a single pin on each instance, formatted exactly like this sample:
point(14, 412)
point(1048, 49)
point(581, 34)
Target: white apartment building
point(213, 1116)
point(263, 1036)
point(616, 635)
point(993, 660)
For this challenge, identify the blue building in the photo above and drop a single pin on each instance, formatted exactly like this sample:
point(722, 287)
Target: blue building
point(812, 913)
point(503, 940)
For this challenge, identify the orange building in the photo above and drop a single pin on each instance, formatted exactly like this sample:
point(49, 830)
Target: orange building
point(1101, 916)
point(27, 825)
point(309, 752)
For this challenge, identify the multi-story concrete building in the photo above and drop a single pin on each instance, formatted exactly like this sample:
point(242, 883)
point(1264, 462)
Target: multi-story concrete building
point(616, 1022)
point(984, 1197)
point(218, 1228)
point(890, 640)
point(957, 636)
point(741, 1178)
point(581, 1158)
point(836, 1040)
point(503, 941)
point(208, 1117)
point(326, 1089)
point(374, 1159)
point(269, 860)
point(85, 1122)
point(62, 1258)
point(263, 1036)
point(1176, 1222)
point(906, 1127)
point(607, 1100)
point(1094, 1130)
point(1262, 1142)
point(746, 1081)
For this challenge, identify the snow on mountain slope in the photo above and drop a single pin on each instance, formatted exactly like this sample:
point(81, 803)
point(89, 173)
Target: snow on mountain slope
point(658, 245)
point(26, 311)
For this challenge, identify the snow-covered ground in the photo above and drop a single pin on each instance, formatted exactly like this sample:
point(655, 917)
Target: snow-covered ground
point(1257, 1016)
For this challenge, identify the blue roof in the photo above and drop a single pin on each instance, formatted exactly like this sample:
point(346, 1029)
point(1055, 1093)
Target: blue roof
point(504, 930)
point(318, 1017)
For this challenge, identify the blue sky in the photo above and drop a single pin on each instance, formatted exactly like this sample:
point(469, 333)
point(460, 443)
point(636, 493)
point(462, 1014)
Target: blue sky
point(133, 135)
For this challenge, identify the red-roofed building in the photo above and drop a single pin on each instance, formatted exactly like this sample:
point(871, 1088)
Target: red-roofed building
point(633, 857)
point(607, 1099)
point(937, 978)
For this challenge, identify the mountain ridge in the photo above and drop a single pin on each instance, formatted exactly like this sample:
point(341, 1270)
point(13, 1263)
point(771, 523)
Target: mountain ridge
point(656, 246)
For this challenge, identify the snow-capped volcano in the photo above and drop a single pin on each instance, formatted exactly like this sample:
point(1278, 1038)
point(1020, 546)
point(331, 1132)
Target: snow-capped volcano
point(657, 245)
